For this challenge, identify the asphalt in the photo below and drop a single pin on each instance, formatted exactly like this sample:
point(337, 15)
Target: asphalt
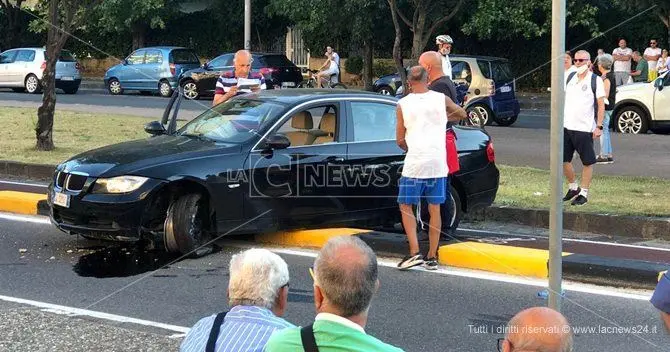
point(448, 310)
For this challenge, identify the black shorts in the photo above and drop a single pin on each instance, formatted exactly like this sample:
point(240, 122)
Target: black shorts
point(579, 141)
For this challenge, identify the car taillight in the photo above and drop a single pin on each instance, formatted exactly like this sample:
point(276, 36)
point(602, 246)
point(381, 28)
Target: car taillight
point(490, 152)
point(268, 70)
point(77, 66)
point(173, 69)
point(492, 88)
point(43, 66)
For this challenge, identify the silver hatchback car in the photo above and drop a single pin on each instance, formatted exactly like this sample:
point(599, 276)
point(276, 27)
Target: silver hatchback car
point(21, 69)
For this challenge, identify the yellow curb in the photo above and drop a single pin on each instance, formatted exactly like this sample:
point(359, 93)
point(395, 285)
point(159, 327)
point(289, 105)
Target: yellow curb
point(306, 238)
point(527, 262)
point(20, 202)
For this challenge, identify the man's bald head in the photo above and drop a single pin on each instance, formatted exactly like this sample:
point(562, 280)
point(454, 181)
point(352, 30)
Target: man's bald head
point(538, 329)
point(242, 63)
point(431, 61)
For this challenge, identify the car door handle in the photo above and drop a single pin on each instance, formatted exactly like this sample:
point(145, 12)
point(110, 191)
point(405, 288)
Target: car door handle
point(334, 159)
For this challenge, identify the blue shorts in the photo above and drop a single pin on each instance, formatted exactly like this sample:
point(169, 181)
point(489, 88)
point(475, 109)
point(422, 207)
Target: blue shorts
point(433, 190)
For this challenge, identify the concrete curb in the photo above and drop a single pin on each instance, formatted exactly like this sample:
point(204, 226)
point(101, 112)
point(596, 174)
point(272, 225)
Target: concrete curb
point(505, 259)
point(32, 171)
point(611, 225)
point(21, 202)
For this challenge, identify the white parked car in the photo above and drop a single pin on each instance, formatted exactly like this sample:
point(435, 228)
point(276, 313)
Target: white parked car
point(21, 69)
point(643, 106)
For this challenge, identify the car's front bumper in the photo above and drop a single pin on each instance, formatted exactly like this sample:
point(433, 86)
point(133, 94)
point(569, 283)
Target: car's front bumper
point(116, 217)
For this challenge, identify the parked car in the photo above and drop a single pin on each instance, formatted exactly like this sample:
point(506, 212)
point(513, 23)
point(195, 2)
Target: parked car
point(491, 87)
point(276, 160)
point(643, 106)
point(22, 69)
point(150, 70)
point(278, 70)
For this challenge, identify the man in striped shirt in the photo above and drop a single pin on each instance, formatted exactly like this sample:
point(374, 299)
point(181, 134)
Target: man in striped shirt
point(239, 81)
point(258, 295)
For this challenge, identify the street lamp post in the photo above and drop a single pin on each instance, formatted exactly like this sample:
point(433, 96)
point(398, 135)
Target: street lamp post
point(247, 24)
point(556, 153)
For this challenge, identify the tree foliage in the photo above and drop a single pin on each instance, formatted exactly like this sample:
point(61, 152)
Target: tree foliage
point(503, 19)
point(651, 8)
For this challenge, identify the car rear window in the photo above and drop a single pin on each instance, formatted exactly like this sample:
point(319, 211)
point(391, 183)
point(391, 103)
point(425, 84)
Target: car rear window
point(499, 71)
point(65, 56)
point(182, 56)
point(276, 61)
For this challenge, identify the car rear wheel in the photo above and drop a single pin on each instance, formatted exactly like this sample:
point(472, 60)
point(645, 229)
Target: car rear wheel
point(165, 89)
point(506, 121)
point(485, 114)
point(32, 84)
point(631, 119)
point(114, 87)
point(385, 90)
point(473, 119)
point(186, 228)
point(190, 90)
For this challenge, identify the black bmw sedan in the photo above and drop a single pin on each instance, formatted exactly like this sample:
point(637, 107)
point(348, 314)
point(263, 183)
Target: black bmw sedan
point(277, 160)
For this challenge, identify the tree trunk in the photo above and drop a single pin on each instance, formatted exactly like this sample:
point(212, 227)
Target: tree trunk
point(418, 40)
point(45, 113)
point(139, 31)
point(397, 52)
point(367, 64)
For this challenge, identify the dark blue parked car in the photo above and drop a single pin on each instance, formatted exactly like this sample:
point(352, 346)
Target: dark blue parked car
point(150, 70)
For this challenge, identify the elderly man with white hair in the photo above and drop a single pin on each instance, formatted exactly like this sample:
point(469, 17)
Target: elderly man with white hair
point(257, 295)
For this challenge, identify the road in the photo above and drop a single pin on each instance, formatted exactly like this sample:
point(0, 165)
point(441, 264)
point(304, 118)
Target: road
point(526, 143)
point(447, 310)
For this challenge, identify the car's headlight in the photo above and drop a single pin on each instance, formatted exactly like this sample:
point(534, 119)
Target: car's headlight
point(120, 184)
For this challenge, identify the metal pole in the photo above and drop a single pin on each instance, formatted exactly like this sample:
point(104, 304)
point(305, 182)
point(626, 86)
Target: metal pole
point(556, 153)
point(247, 24)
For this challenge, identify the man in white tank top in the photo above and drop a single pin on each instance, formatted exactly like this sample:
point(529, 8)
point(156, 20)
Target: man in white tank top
point(422, 118)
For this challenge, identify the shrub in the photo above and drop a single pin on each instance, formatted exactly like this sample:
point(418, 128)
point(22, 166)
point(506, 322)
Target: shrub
point(354, 65)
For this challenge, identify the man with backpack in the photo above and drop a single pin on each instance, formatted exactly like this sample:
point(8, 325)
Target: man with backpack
point(584, 114)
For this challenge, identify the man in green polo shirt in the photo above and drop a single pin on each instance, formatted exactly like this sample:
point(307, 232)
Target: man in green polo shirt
point(345, 279)
point(641, 73)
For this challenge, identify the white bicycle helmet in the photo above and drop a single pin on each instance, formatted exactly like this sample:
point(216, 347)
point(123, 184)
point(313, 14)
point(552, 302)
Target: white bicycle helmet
point(444, 39)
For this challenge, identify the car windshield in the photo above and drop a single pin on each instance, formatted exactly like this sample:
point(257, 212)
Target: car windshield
point(235, 121)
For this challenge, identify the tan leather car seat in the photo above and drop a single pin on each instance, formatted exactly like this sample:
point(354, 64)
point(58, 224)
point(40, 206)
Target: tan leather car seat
point(301, 121)
point(328, 124)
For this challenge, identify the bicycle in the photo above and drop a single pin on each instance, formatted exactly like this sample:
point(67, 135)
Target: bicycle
point(311, 82)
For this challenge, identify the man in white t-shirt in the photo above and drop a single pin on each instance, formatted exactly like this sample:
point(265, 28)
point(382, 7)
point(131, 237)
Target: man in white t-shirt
point(581, 126)
point(652, 54)
point(422, 118)
point(622, 63)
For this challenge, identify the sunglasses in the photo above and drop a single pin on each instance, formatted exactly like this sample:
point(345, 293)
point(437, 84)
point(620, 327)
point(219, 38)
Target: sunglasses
point(311, 273)
point(582, 60)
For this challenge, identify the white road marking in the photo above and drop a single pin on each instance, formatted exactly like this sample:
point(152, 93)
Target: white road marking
point(25, 218)
point(24, 184)
point(570, 240)
point(642, 295)
point(71, 311)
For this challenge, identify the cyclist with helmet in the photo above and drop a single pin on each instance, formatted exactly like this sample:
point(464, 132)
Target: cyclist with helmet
point(444, 43)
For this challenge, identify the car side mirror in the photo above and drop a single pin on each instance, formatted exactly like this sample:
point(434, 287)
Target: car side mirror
point(154, 128)
point(124, 62)
point(278, 141)
point(658, 83)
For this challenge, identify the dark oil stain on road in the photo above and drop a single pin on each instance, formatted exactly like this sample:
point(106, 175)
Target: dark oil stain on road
point(121, 262)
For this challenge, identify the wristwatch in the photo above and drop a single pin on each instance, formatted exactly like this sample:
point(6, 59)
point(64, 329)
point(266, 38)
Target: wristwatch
point(600, 127)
